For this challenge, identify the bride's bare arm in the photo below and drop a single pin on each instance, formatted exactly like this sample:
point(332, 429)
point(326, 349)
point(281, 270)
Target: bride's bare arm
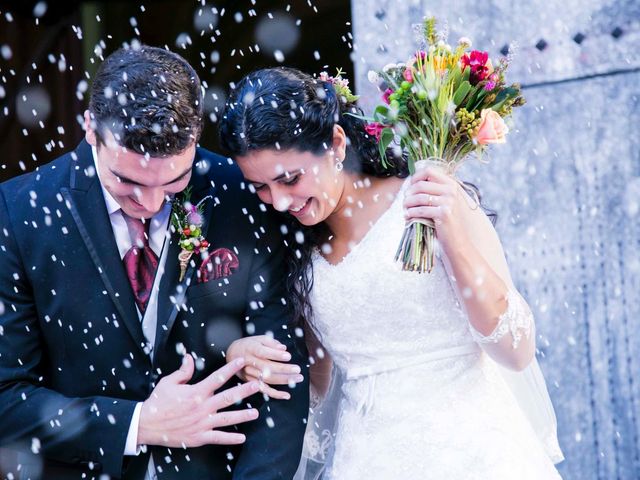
point(500, 319)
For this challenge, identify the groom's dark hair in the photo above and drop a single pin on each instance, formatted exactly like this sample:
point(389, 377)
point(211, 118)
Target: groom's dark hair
point(149, 98)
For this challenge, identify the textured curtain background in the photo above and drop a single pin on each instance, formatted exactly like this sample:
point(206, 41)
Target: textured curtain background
point(567, 190)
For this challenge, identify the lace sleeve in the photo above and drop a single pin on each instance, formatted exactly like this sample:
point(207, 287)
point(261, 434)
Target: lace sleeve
point(517, 320)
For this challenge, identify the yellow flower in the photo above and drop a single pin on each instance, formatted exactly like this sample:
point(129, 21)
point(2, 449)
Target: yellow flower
point(440, 64)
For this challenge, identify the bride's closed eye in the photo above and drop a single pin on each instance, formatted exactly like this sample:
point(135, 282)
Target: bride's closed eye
point(288, 181)
point(292, 180)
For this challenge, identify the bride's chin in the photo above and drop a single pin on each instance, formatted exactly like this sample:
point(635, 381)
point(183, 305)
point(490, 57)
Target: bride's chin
point(310, 219)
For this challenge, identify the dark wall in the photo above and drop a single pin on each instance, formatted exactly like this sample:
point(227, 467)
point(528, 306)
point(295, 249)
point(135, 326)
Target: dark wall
point(48, 56)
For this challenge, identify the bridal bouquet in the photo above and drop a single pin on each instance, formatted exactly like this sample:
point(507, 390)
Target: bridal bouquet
point(443, 104)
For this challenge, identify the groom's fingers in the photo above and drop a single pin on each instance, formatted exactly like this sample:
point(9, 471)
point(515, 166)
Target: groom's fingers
point(231, 396)
point(226, 419)
point(216, 437)
point(252, 373)
point(273, 393)
point(221, 376)
point(184, 373)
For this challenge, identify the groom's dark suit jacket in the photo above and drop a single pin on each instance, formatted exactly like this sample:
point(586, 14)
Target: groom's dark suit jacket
point(72, 362)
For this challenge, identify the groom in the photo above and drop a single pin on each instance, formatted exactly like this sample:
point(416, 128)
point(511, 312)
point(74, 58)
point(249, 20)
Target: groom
point(112, 353)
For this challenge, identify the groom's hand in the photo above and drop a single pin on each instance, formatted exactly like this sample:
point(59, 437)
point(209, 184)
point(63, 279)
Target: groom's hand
point(181, 415)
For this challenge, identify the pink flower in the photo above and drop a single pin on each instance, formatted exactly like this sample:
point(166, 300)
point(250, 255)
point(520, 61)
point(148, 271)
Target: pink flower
point(479, 64)
point(375, 129)
point(492, 128)
point(385, 95)
point(413, 64)
point(420, 56)
point(194, 218)
point(491, 83)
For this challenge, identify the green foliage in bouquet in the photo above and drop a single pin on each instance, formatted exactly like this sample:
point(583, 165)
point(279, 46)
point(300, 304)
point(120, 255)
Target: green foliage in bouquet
point(441, 105)
point(444, 102)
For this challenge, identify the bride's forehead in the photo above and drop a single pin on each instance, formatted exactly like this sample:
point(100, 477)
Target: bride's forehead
point(278, 162)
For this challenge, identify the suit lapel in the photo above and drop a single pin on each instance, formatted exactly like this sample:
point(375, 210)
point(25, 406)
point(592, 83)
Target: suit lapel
point(86, 203)
point(171, 295)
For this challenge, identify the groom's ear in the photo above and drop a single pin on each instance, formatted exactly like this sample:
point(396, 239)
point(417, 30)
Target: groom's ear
point(89, 129)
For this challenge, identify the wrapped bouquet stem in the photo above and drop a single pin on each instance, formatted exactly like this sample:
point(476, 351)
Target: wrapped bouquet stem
point(440, 106)
point(416, 251)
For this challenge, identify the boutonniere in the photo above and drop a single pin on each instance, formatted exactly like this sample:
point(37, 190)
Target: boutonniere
point(187, 219)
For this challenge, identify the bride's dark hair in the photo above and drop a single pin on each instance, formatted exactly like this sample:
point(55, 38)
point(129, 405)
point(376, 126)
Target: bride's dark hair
point(286, 109)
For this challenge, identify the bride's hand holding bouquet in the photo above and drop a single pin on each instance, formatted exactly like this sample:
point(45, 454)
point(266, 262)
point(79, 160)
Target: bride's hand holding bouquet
point(435, 196)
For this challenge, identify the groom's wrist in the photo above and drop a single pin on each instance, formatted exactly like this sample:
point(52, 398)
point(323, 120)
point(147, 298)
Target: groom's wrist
point(132, 445)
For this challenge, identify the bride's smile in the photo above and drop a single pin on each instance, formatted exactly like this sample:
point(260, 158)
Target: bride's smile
point(304, 184)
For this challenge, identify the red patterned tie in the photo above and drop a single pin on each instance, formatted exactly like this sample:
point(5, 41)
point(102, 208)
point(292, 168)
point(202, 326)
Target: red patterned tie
point(140, 261)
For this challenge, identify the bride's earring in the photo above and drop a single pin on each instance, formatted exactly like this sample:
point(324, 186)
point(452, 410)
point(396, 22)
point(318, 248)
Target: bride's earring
point(339, 165)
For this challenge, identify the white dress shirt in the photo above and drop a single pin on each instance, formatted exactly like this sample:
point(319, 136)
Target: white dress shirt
point(158, 233)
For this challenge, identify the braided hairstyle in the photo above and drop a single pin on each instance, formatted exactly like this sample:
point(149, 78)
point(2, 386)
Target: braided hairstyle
point(283, 108)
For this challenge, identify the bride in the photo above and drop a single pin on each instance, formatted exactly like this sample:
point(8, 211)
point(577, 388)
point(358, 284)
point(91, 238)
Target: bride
point(426, 361)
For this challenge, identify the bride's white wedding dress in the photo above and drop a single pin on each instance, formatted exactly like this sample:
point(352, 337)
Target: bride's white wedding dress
point(420, 400)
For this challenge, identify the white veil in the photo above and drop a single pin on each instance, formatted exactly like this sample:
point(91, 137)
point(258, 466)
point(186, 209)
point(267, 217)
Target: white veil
point(319, 439)
point(530, 390)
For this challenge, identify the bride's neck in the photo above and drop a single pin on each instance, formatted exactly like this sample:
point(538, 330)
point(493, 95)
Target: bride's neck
point(361, 199)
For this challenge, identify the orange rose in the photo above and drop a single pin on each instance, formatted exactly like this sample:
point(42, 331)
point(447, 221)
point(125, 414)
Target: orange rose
point(492, 128)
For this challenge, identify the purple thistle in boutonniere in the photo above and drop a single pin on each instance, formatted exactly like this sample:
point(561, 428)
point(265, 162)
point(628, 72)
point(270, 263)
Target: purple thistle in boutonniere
point(187, 219)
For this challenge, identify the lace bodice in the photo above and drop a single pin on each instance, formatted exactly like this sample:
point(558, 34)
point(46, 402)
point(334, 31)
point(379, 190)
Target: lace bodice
point(367, 312)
